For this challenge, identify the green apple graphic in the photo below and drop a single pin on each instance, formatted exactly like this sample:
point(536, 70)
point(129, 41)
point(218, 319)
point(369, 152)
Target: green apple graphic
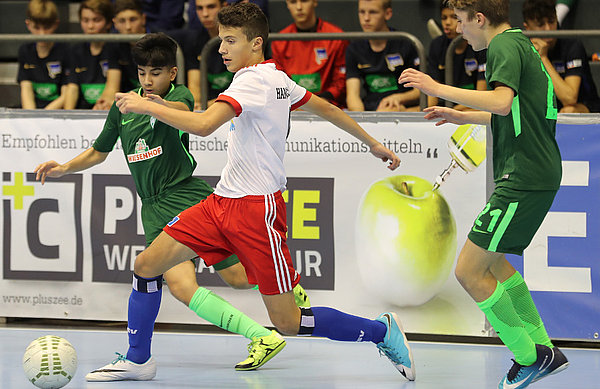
point(405, 240)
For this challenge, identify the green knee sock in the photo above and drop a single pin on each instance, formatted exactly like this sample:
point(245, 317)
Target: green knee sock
point(502, 316)
point(521, 298)
point(219, 312)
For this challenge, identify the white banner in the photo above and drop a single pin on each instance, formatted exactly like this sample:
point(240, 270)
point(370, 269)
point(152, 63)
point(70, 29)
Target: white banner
point(68, 246)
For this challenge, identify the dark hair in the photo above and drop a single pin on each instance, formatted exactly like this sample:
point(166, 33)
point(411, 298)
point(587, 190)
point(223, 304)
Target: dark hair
point(156, 50)
point(496, 11)
point(124, 5)
point(444, 4)
point(539, 10)
point(103, 7)
point(248, 17)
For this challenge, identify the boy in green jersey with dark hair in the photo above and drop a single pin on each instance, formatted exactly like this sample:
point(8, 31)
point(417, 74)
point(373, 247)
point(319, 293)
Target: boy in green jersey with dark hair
point(521, 109)
point(161, 165)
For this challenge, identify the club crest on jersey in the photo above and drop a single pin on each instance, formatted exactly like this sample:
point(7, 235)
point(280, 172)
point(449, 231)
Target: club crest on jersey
point(393, 61)
point(232, 126)
point(143, 152)
point(471, 65)
point(54, 69)
point(152, 122)
point(104, 66)
point(320, 55)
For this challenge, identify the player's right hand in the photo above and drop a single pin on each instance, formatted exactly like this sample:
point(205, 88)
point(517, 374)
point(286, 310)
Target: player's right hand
point(385, 154)
point(444, 115)
point(48, 169)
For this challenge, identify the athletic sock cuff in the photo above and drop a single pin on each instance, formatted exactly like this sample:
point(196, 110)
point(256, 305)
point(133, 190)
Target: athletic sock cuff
point(307, 322)
point(493, 299)
point(147, 285)
point(198, 298)
point(512, 281)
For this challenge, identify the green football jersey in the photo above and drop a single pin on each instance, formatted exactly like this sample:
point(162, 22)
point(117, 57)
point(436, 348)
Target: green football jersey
point(526, 155)
point(156, 153)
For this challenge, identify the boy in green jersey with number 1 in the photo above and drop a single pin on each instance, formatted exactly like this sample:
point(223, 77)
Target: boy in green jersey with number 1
point(161, 165)
point(520, 107)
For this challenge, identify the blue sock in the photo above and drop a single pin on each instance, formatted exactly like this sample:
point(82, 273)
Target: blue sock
point(144, 303)
point(336, 325)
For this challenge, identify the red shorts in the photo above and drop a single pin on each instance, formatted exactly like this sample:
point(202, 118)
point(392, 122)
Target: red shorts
point(252, 227)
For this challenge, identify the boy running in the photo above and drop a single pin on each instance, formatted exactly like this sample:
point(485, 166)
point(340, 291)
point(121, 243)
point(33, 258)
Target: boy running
point(521, 109)
point(162, 172)
point(246, 213)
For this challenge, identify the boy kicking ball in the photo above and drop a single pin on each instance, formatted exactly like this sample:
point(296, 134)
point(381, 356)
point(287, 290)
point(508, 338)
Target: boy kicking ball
point(521, 109)
point(162, 167)
point(246, 213)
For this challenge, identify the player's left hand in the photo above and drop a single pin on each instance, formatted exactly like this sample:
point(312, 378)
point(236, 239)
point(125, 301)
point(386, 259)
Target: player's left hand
point(412, 78)
point(385, 154)
point(130, 102)
point(101, 105)
point(541, 46)
point(156, 99)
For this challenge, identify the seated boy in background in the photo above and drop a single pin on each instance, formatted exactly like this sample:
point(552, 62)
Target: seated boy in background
point(565, 60)
point(91, 84)
point(129, 19)
point(318, 66)
point(42, 65)
point(469, 65)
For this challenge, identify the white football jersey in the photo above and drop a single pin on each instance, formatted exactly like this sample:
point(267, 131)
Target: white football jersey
point(262, 97)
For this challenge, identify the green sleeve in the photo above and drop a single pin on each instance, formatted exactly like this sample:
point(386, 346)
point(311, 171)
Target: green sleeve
point(504, 63)
point(110, 133)
point(182, 94)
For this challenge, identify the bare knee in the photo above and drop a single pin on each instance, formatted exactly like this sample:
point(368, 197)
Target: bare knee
point(286, 324)
point(142, 265)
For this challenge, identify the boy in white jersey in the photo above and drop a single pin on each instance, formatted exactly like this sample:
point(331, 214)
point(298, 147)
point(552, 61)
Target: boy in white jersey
point(246, 214)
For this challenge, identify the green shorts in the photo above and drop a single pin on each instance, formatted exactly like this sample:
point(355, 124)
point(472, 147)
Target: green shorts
point(510, 219)
point(158, 210)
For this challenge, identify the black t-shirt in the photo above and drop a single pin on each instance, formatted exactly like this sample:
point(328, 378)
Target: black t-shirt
point(124, 62)
point(569, 58)
point(469, 66)
point(379, 71)
point(47, 75)
point(89, 71)
point(192, 42)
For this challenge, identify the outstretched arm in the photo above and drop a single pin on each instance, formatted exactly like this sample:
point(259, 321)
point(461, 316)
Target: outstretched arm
point(336, 116)
point(85, 160)
point(199, 123)
point(449, 115)
point(497, 101)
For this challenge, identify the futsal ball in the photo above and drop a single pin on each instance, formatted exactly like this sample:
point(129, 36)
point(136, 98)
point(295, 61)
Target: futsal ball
point(50, 362)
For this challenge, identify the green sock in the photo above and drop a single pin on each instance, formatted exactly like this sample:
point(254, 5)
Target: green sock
point(521, 298)
point(502, 316)
point(219, 312)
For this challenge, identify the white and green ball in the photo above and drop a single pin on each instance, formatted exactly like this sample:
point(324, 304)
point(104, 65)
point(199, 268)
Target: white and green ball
point(50, 362)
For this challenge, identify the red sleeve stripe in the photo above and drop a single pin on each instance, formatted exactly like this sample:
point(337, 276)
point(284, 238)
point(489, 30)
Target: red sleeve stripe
point(231, 101)
point(302, 101)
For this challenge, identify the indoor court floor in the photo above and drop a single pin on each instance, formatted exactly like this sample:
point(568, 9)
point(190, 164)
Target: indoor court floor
point(192, 360)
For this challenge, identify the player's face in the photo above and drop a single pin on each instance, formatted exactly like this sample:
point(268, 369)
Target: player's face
point(302, 11)
point(156, 80)
point(546, 24)
point(449, 23)
point(130, 22)
point(472, 30)
point(237, 51)
point(207, 11)
point(93, 22)
point(372, 16)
